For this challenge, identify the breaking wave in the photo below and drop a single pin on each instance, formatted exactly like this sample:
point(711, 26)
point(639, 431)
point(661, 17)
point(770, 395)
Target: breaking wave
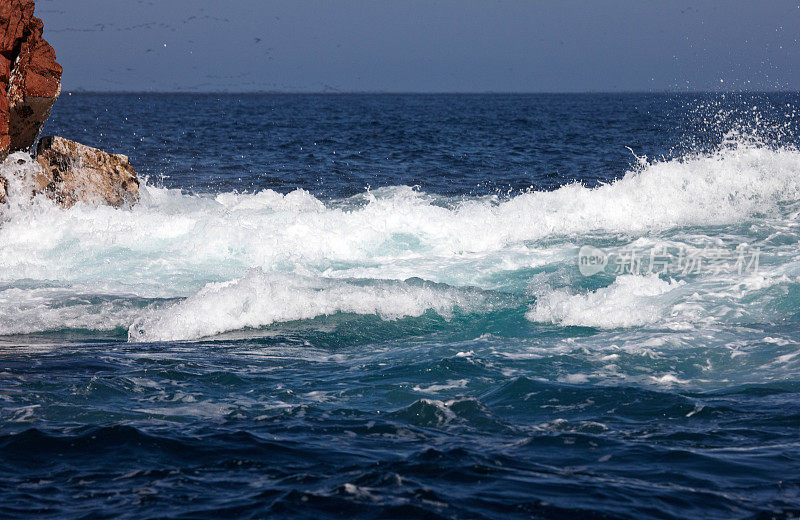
point(229, 261)
point(259, 299)
point(628, 302)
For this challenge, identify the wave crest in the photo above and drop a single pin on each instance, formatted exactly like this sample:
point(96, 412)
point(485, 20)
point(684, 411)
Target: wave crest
point(259, 299)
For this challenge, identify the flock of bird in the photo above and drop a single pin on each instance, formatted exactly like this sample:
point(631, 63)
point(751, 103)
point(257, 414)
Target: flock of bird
point(215, 81)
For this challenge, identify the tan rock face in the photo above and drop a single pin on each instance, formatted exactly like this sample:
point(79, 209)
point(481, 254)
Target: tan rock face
point(74, 172)
point(30, 78)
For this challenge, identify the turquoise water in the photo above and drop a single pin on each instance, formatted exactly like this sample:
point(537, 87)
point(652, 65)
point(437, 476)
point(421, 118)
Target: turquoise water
point(477, 307)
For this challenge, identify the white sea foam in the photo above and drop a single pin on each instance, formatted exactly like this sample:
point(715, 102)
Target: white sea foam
point(177, 245)
point(628, 302)
point(259, 299)
point(38, 309)
point(191, 240)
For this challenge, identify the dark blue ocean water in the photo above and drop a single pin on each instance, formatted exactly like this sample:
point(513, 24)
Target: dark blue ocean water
point(371, 306)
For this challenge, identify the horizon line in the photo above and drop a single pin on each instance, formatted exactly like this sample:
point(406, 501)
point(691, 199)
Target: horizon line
point(422, 93)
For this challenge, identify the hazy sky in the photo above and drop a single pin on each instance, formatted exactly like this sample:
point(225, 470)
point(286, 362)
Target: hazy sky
point(424, 46)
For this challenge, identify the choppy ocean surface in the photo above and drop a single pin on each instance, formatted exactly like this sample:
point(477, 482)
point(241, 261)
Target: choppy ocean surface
point(377, 306)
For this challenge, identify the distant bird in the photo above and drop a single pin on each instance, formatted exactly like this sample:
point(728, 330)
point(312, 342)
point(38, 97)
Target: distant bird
point(258, 40)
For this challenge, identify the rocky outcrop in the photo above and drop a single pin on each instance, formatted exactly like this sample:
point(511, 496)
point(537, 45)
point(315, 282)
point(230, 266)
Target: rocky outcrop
point(30, 83)
point(30, 78)
point(73, 172)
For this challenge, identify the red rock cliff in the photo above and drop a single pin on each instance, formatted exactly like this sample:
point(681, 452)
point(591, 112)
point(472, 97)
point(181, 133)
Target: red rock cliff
point(30, 78)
